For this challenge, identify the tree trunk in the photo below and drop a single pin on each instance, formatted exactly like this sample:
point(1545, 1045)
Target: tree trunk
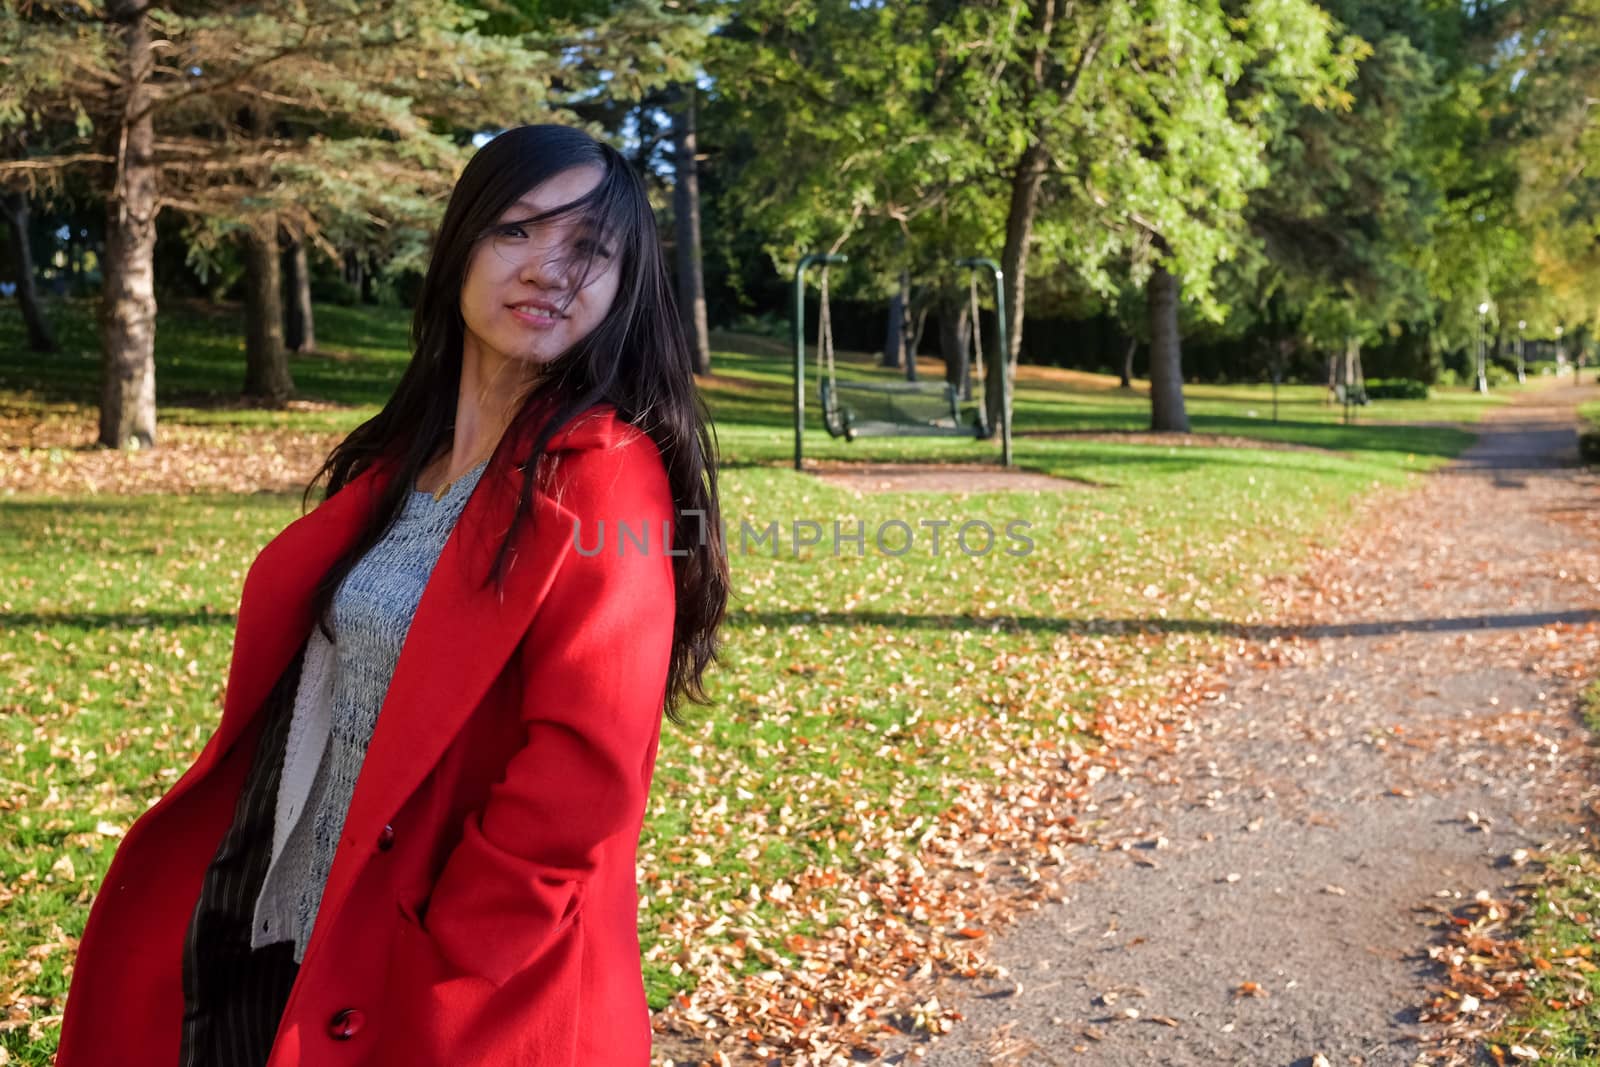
point(301, 331)
point(355, 273)
point(266, 361)
point(75, 254)
point(894, 340)
point(40, 337)
point(919, 325)
point(686, 210)
point(1025, 183)
point(1127, 363)
point(1166, 355)
point(128, 300)
point(954, 338)
point(985, 351)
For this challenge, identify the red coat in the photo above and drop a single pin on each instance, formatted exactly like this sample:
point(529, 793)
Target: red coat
point(482, 906)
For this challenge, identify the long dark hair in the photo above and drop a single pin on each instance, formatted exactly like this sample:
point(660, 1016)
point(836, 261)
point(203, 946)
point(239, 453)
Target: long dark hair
point(636, 359)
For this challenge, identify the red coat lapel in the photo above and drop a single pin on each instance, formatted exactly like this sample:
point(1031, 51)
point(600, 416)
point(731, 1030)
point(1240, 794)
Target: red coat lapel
point(466, 629)
point(464, 633)
point(275, 607)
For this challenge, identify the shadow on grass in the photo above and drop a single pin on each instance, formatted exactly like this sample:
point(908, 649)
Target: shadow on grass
point(116, 620)
point(1092, 463)
point(1099, 627)
point(1422, 440)
point(1156, 625)
point(178, 504)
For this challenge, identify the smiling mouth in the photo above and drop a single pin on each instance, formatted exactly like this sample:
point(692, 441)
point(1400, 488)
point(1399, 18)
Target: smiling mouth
point(535, 313)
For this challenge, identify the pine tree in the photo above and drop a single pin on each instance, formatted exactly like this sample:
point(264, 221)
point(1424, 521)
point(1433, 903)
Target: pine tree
point(336, 120)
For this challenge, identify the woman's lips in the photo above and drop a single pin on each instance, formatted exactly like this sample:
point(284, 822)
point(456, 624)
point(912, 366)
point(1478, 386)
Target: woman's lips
point(530, 315)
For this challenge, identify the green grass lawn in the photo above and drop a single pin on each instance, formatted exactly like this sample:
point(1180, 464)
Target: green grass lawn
point(859, 695)
point(1558, 1019)
point(1590, 414)
point(1589, 432)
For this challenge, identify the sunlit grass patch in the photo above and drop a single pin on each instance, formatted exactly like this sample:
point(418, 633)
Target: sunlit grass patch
point(1555, 1018)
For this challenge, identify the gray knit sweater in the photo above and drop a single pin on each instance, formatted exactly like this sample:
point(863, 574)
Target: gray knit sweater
point(342, 687)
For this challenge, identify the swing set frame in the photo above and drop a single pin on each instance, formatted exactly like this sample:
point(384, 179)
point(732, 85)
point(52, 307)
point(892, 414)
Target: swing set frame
point(996, 363)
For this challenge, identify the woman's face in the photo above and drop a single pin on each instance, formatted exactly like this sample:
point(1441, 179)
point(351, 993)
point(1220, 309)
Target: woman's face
point(525, 298)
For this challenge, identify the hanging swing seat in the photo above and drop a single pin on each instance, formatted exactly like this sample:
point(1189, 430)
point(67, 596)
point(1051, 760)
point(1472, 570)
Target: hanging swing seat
point(893, 409)
point(897, 409)
point(867, 406)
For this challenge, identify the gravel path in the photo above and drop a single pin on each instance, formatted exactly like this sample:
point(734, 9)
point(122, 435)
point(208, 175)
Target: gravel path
point(1278, 868)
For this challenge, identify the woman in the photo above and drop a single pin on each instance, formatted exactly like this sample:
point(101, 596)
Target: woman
point(412, 838)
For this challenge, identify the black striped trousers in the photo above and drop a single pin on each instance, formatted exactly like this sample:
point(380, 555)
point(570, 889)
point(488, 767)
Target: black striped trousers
point(234, 995)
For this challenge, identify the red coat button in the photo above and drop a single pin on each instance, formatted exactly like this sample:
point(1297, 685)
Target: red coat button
point(386, 838)
point(346, 1024)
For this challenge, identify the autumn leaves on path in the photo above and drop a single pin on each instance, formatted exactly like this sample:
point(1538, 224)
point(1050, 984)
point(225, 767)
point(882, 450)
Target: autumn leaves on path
point(1273, 875)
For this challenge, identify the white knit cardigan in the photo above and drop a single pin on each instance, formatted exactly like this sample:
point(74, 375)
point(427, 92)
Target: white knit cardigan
point(275, 911)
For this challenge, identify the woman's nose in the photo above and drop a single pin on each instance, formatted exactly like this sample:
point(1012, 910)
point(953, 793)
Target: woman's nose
point(547, 268)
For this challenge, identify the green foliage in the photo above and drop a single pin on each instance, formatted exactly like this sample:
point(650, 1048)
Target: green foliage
point(1552, 139)
point(348, 123)
point(894, 130)
point(855, 123)
point(1191, 91)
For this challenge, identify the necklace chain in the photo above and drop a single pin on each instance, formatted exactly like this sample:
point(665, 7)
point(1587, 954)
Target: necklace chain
point(438, 494)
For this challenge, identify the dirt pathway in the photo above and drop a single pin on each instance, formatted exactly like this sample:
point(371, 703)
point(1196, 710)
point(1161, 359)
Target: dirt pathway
point(1285, 860)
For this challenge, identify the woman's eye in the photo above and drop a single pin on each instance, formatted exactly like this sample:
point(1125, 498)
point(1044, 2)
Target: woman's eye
point(511, 232)
point(593, 248)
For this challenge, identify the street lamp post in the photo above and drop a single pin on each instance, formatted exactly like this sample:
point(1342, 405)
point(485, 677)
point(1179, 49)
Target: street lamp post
point(1522, 374)
point(1483, 349)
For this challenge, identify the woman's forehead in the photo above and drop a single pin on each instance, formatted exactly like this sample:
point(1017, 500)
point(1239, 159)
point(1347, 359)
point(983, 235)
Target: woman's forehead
point(558, 191)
